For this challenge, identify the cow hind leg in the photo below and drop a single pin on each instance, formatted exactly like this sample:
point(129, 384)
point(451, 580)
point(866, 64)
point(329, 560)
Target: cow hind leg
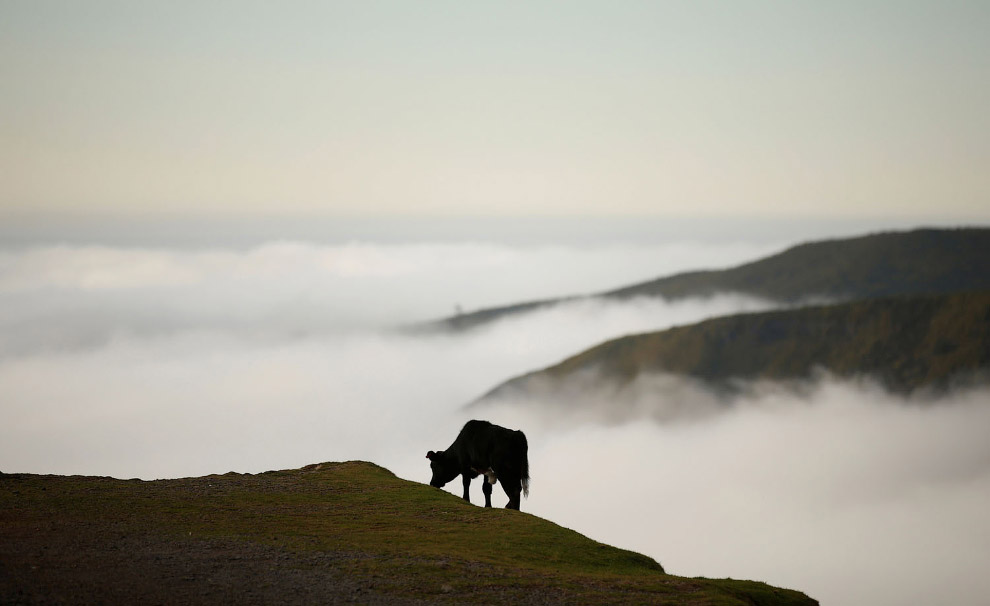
point(513, 490)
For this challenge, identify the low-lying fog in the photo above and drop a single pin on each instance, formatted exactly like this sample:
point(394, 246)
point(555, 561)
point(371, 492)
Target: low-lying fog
point(163, 363)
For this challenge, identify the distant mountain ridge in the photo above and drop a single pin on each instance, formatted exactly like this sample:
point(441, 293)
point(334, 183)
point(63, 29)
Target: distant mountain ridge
point(906, 343)
point(922, 261)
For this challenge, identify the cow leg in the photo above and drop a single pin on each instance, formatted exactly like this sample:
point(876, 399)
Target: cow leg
point(511, 484)
point(467, 487)
point(487, 489)
point(513, 489)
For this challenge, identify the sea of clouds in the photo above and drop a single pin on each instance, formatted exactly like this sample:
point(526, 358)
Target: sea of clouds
point(167, 362)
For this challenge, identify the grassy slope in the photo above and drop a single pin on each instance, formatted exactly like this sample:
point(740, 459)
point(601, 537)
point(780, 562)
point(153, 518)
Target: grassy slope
point(924, 261)
point(404, 538)
point(907, 343)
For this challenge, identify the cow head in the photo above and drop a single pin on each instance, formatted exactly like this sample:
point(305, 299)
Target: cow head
point(444, 468)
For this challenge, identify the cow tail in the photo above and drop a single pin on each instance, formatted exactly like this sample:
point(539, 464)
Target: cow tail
point(524, 464)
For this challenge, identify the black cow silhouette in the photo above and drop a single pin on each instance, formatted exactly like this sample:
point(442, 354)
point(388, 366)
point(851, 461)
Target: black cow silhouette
point(498, 453)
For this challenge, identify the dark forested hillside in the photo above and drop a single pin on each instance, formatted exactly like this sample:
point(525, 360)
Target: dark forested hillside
point(924, 261)
point(906, 343)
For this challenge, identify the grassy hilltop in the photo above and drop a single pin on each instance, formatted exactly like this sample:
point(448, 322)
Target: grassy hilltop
point(328, 533)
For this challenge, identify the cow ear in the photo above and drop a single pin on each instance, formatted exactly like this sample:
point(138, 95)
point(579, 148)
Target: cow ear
point(430, 454)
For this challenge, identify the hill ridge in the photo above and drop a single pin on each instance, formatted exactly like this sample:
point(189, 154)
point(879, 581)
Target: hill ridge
point(329, 532)
point(881, 264)
point(907, 343)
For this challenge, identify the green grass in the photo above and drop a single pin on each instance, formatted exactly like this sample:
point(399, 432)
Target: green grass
point(403, 537)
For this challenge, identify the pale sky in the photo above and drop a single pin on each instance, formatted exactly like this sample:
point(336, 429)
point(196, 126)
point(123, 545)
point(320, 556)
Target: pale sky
point(502, 108)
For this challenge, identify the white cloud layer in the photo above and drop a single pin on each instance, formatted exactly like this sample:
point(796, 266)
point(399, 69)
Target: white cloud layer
point(54, 297)
point(157, 363)
point(844, 491)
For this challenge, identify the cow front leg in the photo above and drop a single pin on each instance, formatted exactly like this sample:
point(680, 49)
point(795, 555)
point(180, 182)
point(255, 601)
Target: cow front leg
point(467, 488)
point(487, 489)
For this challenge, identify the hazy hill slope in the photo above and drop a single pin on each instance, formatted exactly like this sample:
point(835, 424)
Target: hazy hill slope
point(924, 261)
point(905, 342)
point(329, 533)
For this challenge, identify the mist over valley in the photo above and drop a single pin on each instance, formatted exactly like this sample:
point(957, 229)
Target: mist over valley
point(163, 362)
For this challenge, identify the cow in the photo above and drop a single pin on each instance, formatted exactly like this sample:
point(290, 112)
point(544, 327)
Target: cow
point(498, 453)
